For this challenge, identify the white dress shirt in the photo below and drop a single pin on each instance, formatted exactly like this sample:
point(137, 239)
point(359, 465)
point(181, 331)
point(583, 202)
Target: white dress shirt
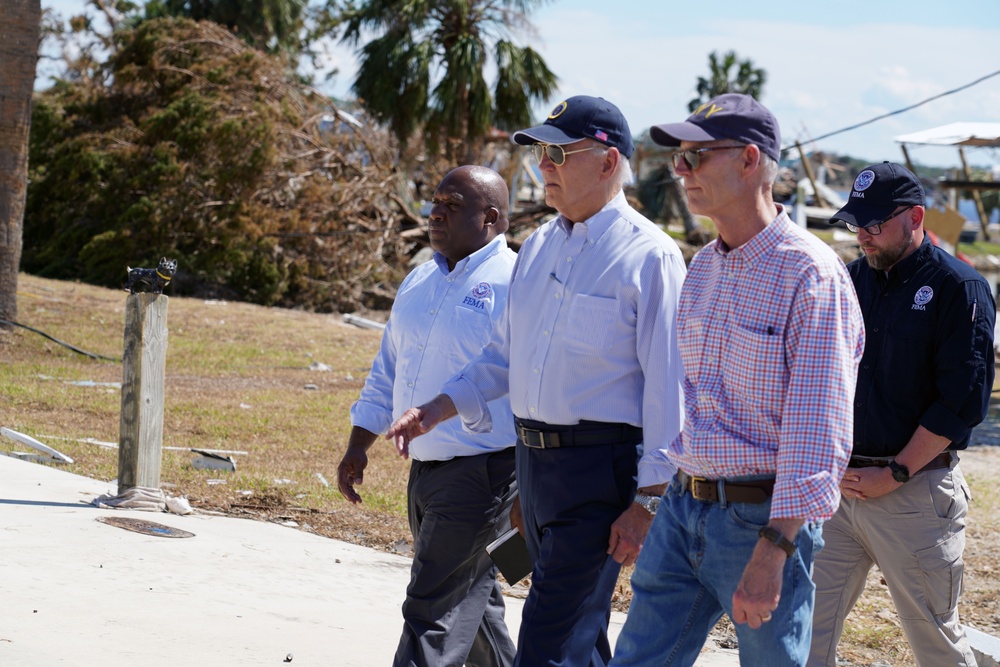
point(588, 333)
point(439, 321)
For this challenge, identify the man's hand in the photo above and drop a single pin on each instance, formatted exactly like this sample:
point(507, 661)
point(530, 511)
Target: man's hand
point(419, 420)
point(350, 472)
point(627, 533)
point(759, 590)
point(866, 483)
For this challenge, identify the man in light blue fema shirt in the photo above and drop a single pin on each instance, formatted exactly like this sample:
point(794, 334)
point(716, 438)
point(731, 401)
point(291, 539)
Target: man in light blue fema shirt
point(461, 485)
point(586, 350)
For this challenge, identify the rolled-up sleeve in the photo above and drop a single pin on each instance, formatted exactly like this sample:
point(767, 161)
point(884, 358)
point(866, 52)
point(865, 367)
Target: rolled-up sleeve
point(964, 363)
point(824, 347)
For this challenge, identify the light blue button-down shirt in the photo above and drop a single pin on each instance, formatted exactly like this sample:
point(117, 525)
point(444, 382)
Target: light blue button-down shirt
point(439, 321)
point(588, 333)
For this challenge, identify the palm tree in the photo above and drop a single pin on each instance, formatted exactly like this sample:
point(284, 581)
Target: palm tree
point(20, 22)
point(748, 79)
point(424, 69)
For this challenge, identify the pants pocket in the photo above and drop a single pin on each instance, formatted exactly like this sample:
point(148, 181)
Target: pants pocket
point(942, 568)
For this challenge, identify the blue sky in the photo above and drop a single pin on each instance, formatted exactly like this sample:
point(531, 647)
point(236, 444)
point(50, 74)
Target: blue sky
point(829, 65)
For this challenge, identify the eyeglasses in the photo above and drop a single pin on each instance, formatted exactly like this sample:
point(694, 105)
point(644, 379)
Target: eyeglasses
point(876, 227)
point(693, 155)
point(556, 153)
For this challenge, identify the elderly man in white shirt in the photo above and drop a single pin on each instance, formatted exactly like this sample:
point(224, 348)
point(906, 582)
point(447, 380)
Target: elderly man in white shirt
point(461, 484)
point(586, 350)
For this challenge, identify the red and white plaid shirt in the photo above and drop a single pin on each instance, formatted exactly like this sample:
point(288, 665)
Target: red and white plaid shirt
point(770, 337)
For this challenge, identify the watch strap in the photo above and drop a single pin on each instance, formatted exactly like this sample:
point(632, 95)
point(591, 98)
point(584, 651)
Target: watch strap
point(900, 473)
point(648, 503)
point(774, 536)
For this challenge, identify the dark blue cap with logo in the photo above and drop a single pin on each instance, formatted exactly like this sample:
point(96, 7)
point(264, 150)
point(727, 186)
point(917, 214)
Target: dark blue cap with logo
point(729, 116)
point(581, 117)
point(878, 191)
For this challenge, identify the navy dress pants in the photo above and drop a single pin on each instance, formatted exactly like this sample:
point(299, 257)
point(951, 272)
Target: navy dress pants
point(570, 496)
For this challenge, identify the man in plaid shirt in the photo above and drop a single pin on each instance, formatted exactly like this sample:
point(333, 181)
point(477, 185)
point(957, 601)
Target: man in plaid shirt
point(770, 336)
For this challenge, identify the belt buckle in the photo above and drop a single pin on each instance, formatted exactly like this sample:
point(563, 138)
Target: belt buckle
point(696, 483)
point(546, 440)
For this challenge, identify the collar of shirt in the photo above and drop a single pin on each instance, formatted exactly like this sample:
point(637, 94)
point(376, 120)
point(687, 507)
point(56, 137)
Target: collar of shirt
point(760, 244)
point(472, 262)
point(597, 224)
point(907, 267)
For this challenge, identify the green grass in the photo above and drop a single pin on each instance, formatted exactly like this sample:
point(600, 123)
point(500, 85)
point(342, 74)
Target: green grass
point(236, 378)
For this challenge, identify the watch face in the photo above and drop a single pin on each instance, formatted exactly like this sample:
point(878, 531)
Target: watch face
point(899, 472)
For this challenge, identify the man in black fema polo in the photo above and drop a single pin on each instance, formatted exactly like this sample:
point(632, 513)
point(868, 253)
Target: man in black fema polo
point(924, 383)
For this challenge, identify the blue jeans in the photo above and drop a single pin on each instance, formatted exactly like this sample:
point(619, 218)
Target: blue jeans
point(687, 572)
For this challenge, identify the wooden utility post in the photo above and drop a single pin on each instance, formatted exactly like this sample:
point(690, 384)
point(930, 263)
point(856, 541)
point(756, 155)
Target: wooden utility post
point(140, 439)
point(975, 196)
point(809, 174)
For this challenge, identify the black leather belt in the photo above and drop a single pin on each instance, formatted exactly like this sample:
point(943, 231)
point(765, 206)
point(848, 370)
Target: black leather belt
point(942, 460)
point(539, 435)
point(712, 490)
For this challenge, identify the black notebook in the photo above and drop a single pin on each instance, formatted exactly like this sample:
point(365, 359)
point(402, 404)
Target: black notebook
point(510, 553)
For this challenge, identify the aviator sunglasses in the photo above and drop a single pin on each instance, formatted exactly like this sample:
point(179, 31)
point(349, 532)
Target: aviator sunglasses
point(875, 228)
point(693, 155)
point(555, 152)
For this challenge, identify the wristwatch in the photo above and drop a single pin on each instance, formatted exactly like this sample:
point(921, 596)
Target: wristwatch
point(900, 473)
point(772, 534)
point(648, 503)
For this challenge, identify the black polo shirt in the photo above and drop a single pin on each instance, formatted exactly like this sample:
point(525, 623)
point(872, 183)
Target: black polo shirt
point(928, 352)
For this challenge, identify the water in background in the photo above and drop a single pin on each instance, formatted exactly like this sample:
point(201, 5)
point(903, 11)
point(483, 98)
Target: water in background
point(988, 433)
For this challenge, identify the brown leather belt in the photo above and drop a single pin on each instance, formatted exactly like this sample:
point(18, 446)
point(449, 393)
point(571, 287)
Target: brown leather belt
point(942, 460)
point(712, 490)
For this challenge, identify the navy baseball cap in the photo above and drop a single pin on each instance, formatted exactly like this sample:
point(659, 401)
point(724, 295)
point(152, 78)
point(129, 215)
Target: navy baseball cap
point(581, 117)
point(878, 191)
point(728, 116)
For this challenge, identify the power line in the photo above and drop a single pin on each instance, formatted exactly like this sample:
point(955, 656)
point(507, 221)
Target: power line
point(92, 355)
point(899, 111)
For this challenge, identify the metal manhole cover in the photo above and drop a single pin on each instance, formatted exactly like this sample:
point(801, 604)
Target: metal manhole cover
point(144, 527)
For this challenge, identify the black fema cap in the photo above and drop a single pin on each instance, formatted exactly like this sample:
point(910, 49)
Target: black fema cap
point(878, 191)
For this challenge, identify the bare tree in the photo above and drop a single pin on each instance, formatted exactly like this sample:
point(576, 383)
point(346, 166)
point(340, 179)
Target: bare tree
point(19, 32)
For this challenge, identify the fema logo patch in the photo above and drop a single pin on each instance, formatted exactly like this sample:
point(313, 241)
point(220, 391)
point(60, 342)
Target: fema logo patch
point(922, 298)
point(864, 180)
point(483, 290)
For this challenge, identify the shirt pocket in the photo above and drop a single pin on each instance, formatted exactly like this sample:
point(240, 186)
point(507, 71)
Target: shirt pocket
point(592, 321)
point(754, 368)
point(470, 332)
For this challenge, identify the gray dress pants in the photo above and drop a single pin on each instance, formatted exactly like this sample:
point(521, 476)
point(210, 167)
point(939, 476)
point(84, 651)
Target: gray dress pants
point(454, 613)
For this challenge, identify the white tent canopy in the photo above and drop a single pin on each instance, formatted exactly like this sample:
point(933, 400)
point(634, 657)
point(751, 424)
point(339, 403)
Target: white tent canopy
point(956, 134)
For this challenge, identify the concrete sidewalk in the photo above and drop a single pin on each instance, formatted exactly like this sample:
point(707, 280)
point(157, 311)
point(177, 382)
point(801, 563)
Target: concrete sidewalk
point(75, 591)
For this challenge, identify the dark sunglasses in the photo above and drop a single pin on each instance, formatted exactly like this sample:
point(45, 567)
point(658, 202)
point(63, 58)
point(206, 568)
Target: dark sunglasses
point(555, 152)
point(876, 227)
point(693, 155)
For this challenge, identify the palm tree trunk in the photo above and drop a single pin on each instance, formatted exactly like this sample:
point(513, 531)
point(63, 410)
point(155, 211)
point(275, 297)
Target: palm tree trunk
point(19, 30)
point(676, 195)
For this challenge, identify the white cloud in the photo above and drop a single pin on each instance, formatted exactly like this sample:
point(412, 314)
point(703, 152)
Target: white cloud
point(820, 79)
